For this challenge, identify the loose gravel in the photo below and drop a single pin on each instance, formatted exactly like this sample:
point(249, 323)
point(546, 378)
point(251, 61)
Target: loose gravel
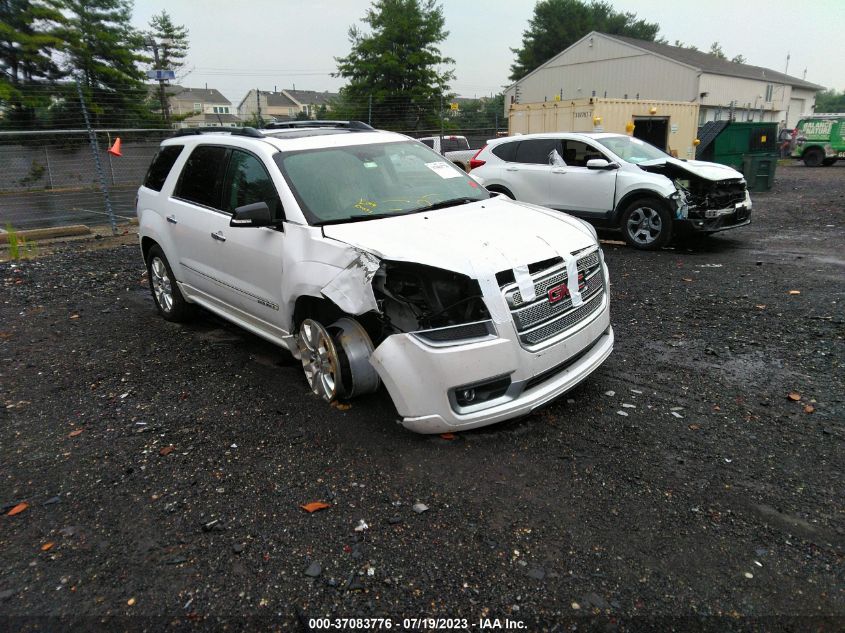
point(164, 466)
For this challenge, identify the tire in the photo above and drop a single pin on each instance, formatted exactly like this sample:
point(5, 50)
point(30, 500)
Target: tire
point(168, 298)
point(502, 190)
point(813, 157)
point(827, 162)
point(646, 224)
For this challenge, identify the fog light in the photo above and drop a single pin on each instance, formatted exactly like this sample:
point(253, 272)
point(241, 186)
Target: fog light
point(478, 393)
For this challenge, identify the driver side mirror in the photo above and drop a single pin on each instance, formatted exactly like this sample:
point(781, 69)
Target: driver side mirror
point(250, 215)
point(601, 164)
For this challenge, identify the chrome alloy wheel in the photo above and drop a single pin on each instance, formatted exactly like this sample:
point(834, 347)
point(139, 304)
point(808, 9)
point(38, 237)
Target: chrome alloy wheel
point(319, 359)
point(644, 225)
point(161, 284)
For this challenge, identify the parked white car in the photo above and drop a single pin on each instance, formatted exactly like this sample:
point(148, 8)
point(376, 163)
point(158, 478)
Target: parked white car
point(373, 260)
point(616, 181)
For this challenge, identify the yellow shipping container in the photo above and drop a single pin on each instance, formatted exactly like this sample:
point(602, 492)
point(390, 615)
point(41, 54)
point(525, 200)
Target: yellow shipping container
point(669, 125)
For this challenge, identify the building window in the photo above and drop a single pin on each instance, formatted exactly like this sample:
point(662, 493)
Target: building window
point(769, 91)
point(197, 107)
point(221, 109)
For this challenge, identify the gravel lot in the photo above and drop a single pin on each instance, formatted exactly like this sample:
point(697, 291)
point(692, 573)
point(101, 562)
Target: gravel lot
point(164, 465)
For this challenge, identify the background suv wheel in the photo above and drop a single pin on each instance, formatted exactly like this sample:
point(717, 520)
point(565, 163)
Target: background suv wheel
point(646, 224)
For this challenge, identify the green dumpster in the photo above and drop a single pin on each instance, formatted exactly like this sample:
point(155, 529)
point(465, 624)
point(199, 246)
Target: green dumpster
point(748, 147)
point(759, 171)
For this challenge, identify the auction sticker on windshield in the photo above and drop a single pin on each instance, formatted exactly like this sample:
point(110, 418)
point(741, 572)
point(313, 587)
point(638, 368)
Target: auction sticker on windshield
point(443, 170)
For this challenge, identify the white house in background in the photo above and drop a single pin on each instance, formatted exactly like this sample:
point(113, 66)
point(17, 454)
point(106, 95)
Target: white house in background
point(613, 66)
point(284, 104)
point(206, 107)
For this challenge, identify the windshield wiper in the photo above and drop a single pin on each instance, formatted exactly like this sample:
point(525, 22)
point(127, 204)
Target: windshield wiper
point(378, 216)
point(358, 218)
point(454, 202)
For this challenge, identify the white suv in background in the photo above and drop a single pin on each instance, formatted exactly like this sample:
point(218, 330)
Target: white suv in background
point(374, 260)
point(616, 181)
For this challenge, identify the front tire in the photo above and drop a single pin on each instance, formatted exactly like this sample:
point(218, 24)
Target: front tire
point(646, 224)
point(166, 294)
point(813, 157)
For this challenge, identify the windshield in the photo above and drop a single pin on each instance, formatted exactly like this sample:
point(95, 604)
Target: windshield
point(360, 182)
point(632, 150)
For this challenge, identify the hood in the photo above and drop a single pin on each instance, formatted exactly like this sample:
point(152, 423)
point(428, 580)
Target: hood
point(700, 168)
point(495, 234)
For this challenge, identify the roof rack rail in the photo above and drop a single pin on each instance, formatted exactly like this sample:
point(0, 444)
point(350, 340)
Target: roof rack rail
point(232, 131)
point(289, 125)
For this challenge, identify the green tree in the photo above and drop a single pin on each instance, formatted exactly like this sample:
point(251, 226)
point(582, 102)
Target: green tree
point(30, 36)
point(830, 101)
point(557, 24)
point(396, 67)
point(171, 39)
point(716, 50)
point(481, 113)
point(739, 59)
point(103, 53)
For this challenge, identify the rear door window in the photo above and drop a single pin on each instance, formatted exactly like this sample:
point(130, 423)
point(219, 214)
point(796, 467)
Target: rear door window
point(247, 182)
point(536, 151)
point(201, 178)
point(161, 166)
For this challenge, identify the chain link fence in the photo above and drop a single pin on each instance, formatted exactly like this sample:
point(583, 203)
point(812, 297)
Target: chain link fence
point(56, 168)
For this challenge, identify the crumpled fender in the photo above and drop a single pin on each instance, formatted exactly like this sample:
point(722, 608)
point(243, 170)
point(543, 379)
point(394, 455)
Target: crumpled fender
point(351, 289)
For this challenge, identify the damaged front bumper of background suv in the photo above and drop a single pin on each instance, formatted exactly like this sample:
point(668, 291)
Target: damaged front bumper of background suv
point(703, 205)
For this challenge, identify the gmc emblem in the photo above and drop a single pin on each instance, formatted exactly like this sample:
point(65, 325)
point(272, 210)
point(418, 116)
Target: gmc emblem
point(560, 292)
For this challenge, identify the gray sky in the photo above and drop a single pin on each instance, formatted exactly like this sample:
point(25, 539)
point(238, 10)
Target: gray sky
point(236, 46)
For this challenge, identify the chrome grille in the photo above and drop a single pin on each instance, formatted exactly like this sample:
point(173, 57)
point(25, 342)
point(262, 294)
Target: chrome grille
point(546, 279)
point(542, 311)
point(539, 320)
point(547, 331)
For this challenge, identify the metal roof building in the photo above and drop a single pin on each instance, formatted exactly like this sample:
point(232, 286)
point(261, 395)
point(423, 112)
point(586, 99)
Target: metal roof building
point(613, 66)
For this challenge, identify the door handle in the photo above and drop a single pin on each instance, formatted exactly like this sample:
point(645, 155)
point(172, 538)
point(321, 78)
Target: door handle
point(171, 219)
point(511, 169)
point(559, 171)
point(218, 236)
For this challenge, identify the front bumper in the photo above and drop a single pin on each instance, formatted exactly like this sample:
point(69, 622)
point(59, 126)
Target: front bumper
point(719, 220)
point(422, 379)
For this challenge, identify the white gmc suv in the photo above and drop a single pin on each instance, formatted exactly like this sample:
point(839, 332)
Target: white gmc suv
point(373, 260)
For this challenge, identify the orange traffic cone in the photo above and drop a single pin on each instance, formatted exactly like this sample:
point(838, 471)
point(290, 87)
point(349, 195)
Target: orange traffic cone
point(114, 150)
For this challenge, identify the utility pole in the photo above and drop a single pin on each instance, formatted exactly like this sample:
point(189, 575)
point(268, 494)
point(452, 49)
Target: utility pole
point(370, 110)
point(441, 122)
point(258, 99)
point(162, 95)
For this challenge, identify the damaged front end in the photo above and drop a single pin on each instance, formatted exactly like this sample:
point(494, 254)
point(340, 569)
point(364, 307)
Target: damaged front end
point(706, 205)
point(374, 299)
point(440, 307)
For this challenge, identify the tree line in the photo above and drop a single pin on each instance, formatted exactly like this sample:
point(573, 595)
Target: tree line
point(47, 47)
point(396, 75)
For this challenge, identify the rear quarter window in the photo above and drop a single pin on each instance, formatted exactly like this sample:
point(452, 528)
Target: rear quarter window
point(506, 151)
point(161, 166)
